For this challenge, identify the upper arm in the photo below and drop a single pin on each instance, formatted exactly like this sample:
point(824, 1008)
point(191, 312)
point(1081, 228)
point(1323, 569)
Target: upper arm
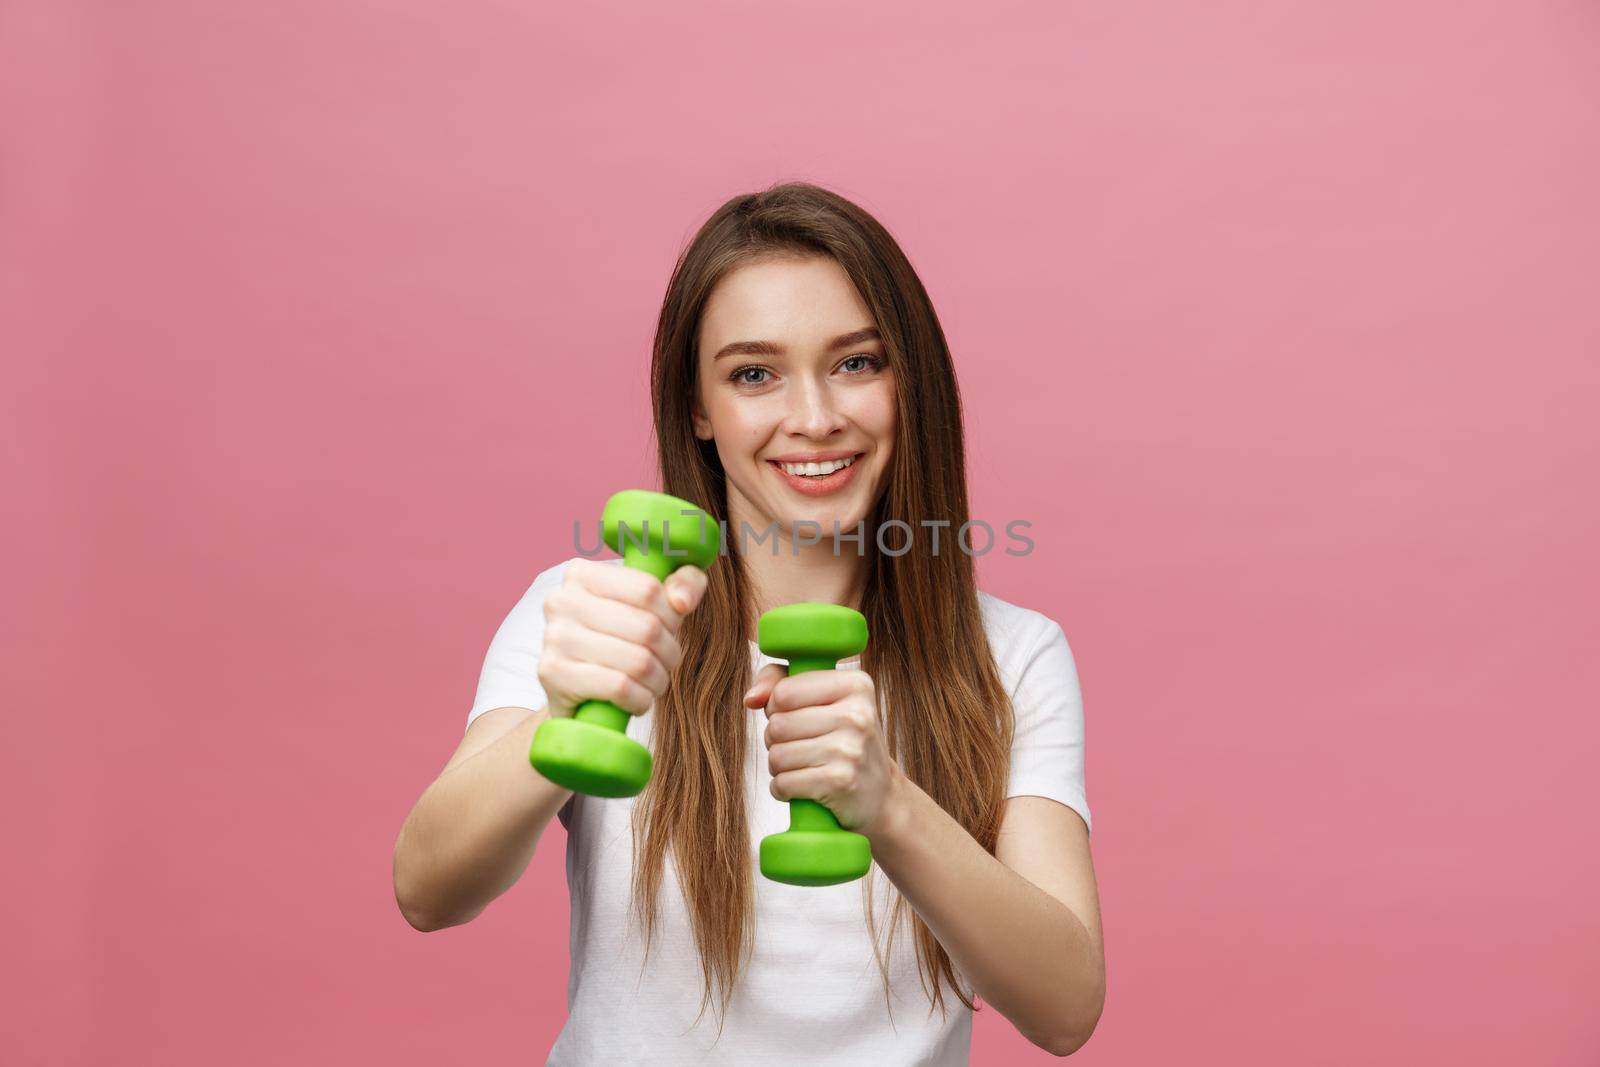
point(1047, 843)
point(1047, 746)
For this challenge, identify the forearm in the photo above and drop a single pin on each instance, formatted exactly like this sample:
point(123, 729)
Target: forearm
point(471, 834)
point(1025, 952)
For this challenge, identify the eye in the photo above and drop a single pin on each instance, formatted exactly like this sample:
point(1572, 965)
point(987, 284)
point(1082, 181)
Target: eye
point(872, 363)
point(738, 377)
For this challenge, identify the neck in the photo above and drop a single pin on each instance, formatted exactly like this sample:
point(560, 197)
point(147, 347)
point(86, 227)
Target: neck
point(798, 572)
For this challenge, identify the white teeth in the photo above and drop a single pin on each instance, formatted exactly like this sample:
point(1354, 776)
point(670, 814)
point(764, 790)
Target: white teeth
point(814, 470)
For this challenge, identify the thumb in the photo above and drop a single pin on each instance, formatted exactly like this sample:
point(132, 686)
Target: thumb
point(761, 690)
point(685, 588)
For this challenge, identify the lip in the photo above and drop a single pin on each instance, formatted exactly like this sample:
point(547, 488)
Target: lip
point(823, 486)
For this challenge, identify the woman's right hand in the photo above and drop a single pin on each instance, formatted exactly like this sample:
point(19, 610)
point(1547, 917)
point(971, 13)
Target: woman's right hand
point(611, 633)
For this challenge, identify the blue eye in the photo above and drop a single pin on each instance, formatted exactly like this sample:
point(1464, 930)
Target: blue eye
point(872, 363)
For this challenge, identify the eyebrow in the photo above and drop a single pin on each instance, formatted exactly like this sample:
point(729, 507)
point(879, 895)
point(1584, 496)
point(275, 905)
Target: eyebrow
point(772, 348)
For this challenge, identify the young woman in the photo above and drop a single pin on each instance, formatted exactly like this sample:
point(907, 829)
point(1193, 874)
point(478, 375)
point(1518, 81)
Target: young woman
point(794, 331)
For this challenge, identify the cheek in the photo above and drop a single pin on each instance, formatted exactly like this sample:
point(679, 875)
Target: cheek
point(717, 407)
point(745, 427)
point(879, 413)
point(741, 427)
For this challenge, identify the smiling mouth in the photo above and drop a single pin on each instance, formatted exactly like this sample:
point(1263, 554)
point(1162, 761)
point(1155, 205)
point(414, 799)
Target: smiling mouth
point(818, 479)
point(816, 470)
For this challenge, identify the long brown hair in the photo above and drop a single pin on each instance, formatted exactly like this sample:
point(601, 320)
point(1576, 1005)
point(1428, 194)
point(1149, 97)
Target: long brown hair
point(948, 720)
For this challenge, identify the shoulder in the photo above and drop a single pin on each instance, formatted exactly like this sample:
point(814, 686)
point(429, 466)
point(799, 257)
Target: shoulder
point(1013, 629)
point(1018, 635)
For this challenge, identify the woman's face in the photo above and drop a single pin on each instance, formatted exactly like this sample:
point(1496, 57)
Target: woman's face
point(790, 371)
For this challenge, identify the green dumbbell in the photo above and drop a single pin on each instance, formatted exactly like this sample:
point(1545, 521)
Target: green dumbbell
point(591, 751)
point(814, 850)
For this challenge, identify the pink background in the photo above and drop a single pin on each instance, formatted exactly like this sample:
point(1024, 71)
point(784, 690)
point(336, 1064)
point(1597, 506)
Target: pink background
point(1277, 320)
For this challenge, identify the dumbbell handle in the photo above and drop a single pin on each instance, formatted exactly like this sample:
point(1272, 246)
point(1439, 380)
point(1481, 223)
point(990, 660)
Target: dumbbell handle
point(602, 713)
point(810, 814)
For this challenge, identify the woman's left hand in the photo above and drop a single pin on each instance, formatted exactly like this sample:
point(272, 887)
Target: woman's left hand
point(824, 743)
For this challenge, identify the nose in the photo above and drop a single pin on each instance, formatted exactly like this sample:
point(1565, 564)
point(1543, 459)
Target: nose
point(813, 411)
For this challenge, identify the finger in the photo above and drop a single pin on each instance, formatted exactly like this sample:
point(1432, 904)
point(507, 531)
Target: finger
point(811, 783)
point(686, 586)
point(798, 755)
point(590, 681)
point(630, 623)
point(809, 689)
point(639, 662)
point(626, 585)
point(802, 724)
point(761, 689)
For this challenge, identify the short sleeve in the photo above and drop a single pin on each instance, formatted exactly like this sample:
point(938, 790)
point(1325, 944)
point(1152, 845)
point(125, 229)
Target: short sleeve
point(510, 675)
point(1047, 746)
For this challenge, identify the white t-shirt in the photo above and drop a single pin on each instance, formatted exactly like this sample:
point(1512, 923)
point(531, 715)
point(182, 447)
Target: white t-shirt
point(812, 991)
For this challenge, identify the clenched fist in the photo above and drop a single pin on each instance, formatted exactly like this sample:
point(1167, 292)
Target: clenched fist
point(824, 743)
point(611, 633)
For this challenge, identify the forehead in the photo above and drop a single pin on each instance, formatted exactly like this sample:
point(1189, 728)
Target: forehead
point(790, 300)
